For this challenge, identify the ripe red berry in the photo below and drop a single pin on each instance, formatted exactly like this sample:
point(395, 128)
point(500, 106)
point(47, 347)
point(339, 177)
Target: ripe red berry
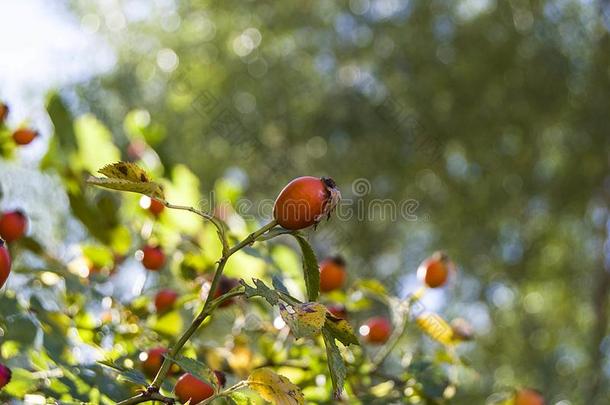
point(156, 207)
point(13, 225)
point(5, 375)
point(153, 257)
point(4, 110)
point(225, 285)
point(434, 270)
point(377, 330)
point(24, 136)
point(165, 299)
point(5, 263)
point(529, 396)
point(153, 361)
point(332, 273)
point(337, 310)
point(305, 201)
point(191, 388)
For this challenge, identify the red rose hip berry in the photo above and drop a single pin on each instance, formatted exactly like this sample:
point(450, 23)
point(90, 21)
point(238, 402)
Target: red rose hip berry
point(165, 299)
point(5, 375)
point(332, 274)
point(153, 257)
point(305, 201)
point(153, 361)
point(377, 331)
point(434, 271)
point(13, 225)
point(24, 136)
point(5, 263)
point(191, 388)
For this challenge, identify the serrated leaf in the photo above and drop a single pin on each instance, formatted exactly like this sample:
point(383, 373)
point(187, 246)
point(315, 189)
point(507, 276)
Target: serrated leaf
point(196, 368)
point(311, 270)
point(275, 388)
point(304, 320)
point(336, 365)
point(124, 176)
point(128, 374)
point(260, 289)
point(341, 330)
point(436, 327)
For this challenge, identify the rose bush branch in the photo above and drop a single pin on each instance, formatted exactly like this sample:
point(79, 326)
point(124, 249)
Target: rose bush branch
point(210, 304)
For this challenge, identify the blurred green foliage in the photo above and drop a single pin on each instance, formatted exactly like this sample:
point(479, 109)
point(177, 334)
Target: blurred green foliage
point(491, 115)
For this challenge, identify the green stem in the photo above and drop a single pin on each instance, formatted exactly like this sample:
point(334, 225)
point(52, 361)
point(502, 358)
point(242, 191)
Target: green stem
point(225, 393)
point(208, 306)
point(397, 334)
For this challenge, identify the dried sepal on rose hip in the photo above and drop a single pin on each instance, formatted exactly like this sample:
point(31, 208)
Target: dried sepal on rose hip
point(305, 201)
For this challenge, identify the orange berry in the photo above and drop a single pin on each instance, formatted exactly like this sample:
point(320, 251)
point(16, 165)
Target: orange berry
point(332, 274)
point(379, 330)
point(191, 388)
point(528, 396)
point(24, 136)
point(156, 207)
point(305, 201)
point(434, 271)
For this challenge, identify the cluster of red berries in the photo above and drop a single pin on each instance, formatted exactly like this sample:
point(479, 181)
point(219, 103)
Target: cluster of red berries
point(21, 136)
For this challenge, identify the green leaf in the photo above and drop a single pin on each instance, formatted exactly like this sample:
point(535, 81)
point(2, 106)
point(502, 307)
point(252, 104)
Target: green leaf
point(310, 268)
point(341, 330)
point(128, 374)
point(336, 366)
point(62, 122)
point(22, 382)
point(196, 368)
point(95, 146)
point(260, 289)
point(239, 398)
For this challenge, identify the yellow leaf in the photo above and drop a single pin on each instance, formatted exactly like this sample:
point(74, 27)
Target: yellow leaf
point(125, 171)
point(435, 327)
point(305, 320)
point(275, 388)
point(124, 176)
